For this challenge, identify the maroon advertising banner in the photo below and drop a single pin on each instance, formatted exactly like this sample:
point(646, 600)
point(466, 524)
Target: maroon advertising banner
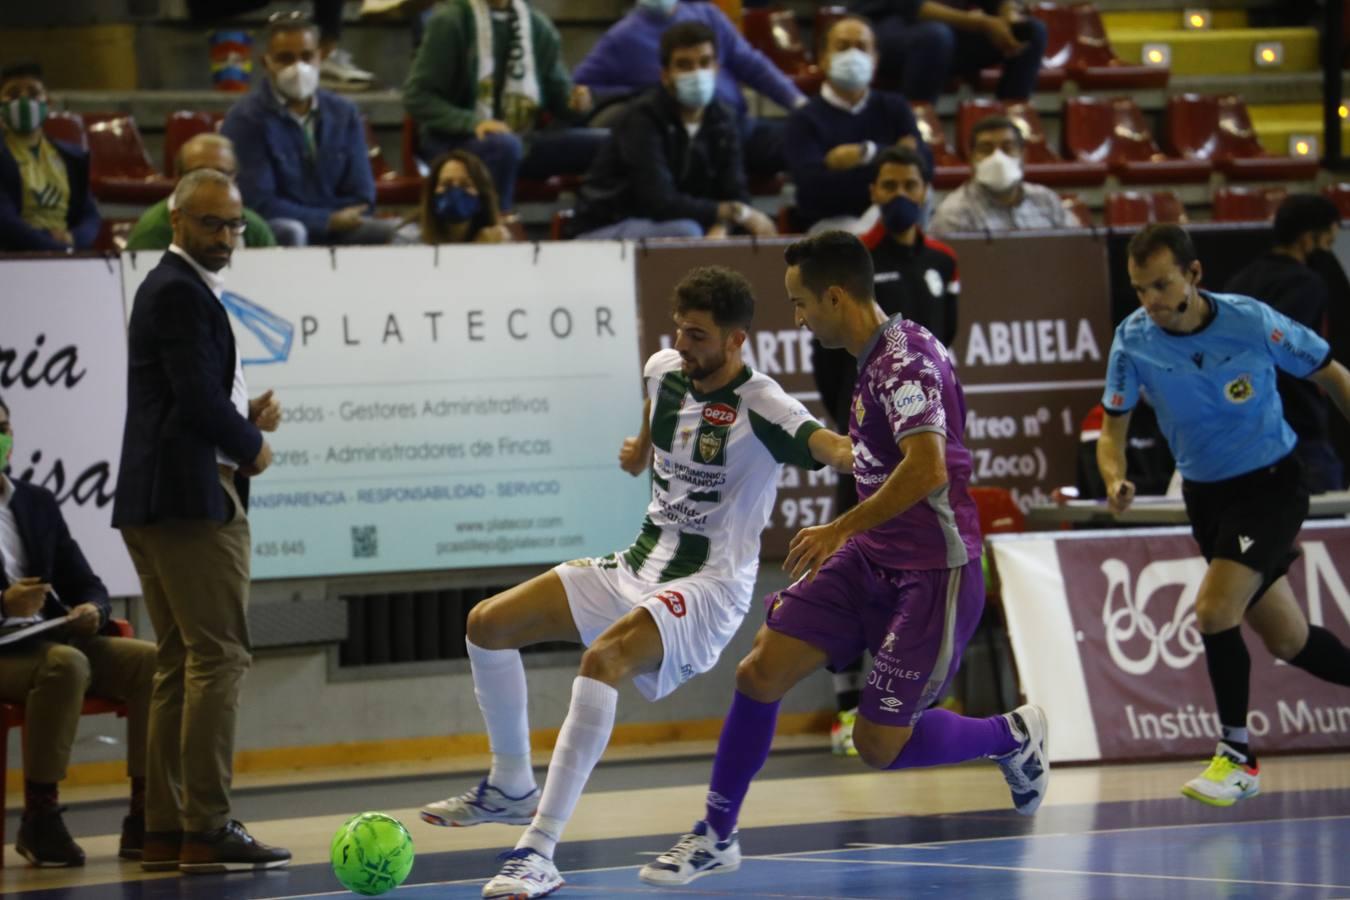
point(1031, 354)
point(1103, 630)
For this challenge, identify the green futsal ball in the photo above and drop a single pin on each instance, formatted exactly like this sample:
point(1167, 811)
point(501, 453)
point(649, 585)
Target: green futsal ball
point(372, 853)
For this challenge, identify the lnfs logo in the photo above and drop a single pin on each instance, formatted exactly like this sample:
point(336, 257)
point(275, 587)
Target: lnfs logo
point(272, 335)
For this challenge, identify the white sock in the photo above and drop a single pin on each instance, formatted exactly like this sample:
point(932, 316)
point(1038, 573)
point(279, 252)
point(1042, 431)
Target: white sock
point(581, 742)
point(499, 685)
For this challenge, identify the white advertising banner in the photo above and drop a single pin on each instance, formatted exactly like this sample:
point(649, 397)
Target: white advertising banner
point(452, 407)
point(63, 372)
point(1102, 627)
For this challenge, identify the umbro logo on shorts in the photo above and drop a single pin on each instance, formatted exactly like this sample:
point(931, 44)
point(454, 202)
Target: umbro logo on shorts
point(1245, 543)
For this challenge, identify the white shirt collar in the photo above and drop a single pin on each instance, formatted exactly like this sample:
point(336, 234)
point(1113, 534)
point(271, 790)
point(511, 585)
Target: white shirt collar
point(214, 280)
point(832, 97)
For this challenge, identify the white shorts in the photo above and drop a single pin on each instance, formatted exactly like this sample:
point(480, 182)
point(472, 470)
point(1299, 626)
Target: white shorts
point(696, 616)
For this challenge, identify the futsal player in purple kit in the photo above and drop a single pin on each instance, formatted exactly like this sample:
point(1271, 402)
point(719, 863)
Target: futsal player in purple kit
point(899, 574)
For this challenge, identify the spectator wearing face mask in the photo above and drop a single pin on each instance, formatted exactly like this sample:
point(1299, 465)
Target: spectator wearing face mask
point(672, 165)
point(488, 75)
point(925, 42)
point(834, 139)
point(303, 164)
point(459, 203)
point(625, 61)
point(154, 229)
point(996, 198)
point(1305, 226)
point(45, 200)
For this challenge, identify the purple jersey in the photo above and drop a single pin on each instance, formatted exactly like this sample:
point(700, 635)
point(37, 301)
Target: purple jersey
point(906, 386)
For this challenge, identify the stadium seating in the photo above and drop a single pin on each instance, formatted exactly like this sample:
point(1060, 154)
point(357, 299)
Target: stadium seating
point(774, 32)
point(1238, 203)
point(1129, 209)
point(949, 169)
point(1077, 43)
point(560, 228)
point(1339, 194)
point(182, 126)
point(120, 167)
point(12, 716)
point(391, 188)
point(1115, 132)
point(67, 127)
point(1078, 206)
point(1220, 129)
point(1042, 164)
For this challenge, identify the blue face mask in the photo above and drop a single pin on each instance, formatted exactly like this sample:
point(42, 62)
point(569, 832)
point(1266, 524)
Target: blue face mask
point(695, 89)
point(851, 70)
point(663, 7)
point(900, 214)
point(454, 205)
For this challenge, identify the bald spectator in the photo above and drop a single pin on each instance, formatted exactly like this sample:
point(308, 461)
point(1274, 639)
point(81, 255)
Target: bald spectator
point(45, 199)
point(996, 198)
point(154, 230)
point(833, 140)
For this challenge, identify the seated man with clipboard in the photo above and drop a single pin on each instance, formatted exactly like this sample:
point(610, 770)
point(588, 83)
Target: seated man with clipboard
point(55, 647)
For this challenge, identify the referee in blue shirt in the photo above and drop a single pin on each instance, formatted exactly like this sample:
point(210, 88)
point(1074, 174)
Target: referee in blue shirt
point(1208, 362)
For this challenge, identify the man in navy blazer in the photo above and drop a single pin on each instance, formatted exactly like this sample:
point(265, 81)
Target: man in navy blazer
point(191, 440)
point(45, 199)
point(303, 163)
point(43, 576)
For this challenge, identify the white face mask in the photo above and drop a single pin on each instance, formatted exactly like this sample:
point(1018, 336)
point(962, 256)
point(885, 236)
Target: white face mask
point(999, 172)
point(851, 70)
point(298, 81)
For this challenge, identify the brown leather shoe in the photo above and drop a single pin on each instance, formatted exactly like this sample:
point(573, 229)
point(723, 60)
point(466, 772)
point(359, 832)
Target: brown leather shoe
point(160, 850)
point(229, 848)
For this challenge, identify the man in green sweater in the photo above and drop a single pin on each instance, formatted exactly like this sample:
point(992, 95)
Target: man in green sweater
point(153, 230)
point(486, 71)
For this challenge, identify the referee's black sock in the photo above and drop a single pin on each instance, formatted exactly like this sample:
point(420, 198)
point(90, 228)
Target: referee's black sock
point(1324, 656)
point(1230, 671)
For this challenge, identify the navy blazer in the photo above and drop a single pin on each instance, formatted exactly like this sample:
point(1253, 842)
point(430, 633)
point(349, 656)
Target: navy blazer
point(82, 218)
point(53, 554)
point(180, 355)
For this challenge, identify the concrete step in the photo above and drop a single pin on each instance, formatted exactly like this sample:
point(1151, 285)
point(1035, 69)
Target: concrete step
point(1281, 128)
point(1168, 19)
point(1223, 52)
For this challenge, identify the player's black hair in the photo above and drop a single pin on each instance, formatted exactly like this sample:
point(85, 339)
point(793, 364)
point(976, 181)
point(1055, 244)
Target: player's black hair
point(1162, 236)
point(682, 36)
point(721, 291)
point(900, 156)
point(833, 259)
point(994, 123)
point(1302, 213)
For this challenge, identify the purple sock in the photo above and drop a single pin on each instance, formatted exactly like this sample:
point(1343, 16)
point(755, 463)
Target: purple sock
point(747, 734)
point(942, 737)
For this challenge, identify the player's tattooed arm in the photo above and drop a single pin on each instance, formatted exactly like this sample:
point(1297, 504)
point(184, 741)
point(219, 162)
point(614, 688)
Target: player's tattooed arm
point(636, 453)
point(834, 450)
point(1111, 461)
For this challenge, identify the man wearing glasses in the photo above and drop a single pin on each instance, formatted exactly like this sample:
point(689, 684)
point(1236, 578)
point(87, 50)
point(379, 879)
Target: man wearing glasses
point(45, 200)
point(191, 442)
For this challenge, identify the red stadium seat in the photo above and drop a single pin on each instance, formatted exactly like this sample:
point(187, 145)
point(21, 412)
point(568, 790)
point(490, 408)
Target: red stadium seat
point(1219, 129)
point(1078, 43)
point(774, 32)
point(121, 171)
point(761, 185)
point(12, 716)
point(67, 127)
point(1043, 164)
point(547, 190)
point(391, 188)
point(1129, 209)
point(1115, 132)
point(561, 227)
point(949, 168)
point(999, 512)
point(1060, 36)
point(1247, 204)
point(1340, 195)
point(182, 126)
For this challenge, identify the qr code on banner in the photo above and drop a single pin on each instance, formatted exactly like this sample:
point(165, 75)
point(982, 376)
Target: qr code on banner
point(365, 542)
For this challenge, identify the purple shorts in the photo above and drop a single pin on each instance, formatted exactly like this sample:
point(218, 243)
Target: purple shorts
point(915, 622)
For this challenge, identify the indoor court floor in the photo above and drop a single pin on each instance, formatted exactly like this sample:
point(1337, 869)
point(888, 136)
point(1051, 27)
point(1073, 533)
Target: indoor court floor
point(814, 827)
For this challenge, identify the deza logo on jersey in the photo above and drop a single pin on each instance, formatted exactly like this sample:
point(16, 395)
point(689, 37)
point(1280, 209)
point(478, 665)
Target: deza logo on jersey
point(719, 414)
point(674, 602)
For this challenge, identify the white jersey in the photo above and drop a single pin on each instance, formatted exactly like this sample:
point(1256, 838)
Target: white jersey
point(716, 462)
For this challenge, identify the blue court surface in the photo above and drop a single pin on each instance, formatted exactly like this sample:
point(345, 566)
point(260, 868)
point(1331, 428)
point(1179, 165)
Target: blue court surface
point(1292, 846)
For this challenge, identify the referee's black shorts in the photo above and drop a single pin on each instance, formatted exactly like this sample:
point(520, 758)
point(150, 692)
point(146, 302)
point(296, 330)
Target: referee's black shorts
point(1252, 519)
